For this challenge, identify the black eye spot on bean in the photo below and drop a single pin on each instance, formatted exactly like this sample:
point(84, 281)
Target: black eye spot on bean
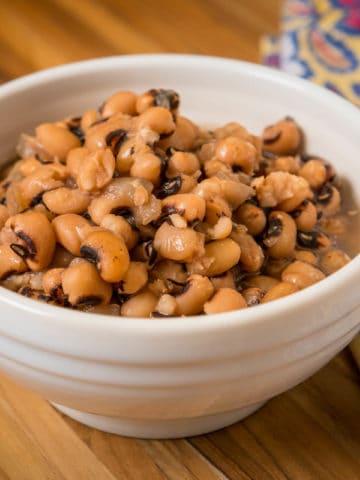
point(273, 139)
point(115, 139)
point(169, 187)
point(308, 239)
point(158, 315)
point(325, 194)
point(19, 250)
point(165, 98)
point(127, 214)
point(184, 289)
point(238, 276)
point(37, 199)
point(26, 292)
point(31, 249)
point(296, 213)
point(74, 127)
point(44, 298)
point(274, 228)
point(101, 120)
point(174, 287)
point(90, 300)
point(8, 274)
point(120, 298)
point(89, 254)
point(150, 252)
point(269, 155)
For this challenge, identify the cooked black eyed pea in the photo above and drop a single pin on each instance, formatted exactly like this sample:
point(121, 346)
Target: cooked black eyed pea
point(83, 285)
point(36, 237)
point(10, 262)
point(4, 215)
point(66, 200)
point(252, 217)
point(166, 306)
point(158, 119)
point(120, 102)
point(288, 164)
point(216, 208)
point(56, 140)
point(280, 237)
point(282, 189)
point(108, 252)
point(333, 260)
point(121, 227)
point(235, 193)
point(89, 118)
point(197, 291)
point(148, 166)
point(223, 255)
point(275, 266)
point(253, 295)
point(328, 200)
point(28, 192)
point(306, 256)
point(190, 206)
point(231, 129)
point(282, 138)
point(305, 216)
point(140, 305)
point(252, 256)
point(279, 290)
point(237, 152)
point(96, 170)
point(62, 257)
point(314, 171)
point(221, 230)
point(170, 271)
point(301, 274)
point(225, 300)
point(159, 97)
point(182, 162)
point(184, 136)
point(75, 159)
point(225, 280)
point(179, 244)
point(312, 239)
point(135, 278)
point(263, 282)
point(188, 183)
point(112, 309)
point(52, 282)
point(70, 230)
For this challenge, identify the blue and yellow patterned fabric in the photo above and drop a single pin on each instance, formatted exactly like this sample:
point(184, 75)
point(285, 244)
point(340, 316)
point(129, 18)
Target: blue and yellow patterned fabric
point(320, 41)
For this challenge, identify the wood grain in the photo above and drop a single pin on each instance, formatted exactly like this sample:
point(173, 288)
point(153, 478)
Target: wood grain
point(310, 432)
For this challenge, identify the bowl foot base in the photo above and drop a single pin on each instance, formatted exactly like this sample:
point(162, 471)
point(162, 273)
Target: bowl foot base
point(159, 429)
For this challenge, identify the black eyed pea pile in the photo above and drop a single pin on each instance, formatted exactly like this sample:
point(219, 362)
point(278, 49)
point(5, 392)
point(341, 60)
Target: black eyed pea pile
point(133, 210)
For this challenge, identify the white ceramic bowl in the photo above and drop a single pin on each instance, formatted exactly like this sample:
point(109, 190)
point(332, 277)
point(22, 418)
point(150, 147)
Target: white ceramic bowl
point(180, 376)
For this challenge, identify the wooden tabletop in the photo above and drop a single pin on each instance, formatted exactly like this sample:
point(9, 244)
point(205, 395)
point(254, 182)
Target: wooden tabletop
point(310, 432)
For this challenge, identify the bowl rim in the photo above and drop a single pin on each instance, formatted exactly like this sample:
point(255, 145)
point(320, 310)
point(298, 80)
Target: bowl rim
point(63, 317)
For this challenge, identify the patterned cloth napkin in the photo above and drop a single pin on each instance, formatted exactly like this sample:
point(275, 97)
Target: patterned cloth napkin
point(320, 41)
